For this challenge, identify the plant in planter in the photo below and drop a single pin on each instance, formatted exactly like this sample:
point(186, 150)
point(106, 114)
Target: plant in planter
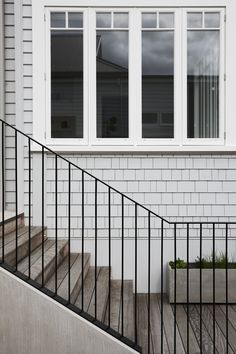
point(201, 274)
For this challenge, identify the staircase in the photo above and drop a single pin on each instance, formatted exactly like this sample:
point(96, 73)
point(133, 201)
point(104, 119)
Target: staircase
point(131, 308)
point(49, 269)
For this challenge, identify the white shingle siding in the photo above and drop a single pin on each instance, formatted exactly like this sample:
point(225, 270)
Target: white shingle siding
point(178, 187)
point(9, 44)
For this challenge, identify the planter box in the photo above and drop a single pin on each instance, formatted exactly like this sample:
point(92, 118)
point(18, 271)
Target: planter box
point(207, 285)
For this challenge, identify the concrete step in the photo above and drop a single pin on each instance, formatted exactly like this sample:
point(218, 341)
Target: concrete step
point(10, 221)
point(22, 243)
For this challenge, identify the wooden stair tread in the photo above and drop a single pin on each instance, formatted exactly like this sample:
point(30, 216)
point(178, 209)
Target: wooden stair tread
point(88, 289)
point(102, 294)
point(23, 265)
point(128, 303)
point(75, 278)
point(11, 237)
point(23, 244)
point(49, 261)
point(61, 272)
point(115, 305)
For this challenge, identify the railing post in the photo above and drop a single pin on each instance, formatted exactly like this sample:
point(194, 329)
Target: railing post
point(226, 289)
point(187, 288)
point(175, 273)
point(69, 227)
point(82, 227)
point(16, 196)
point(3, 192)
point(122, 265)
point(162, 288)
point(42, 216)
point(96, 238)
point(109, 254)
point(201, 287)
point(214, 288)
point(29, 191)
point(149, 278)
point(56, 222)
point(136, 273)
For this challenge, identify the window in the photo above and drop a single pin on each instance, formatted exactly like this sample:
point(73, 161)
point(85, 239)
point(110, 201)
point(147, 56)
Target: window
point(112, 53)
point(158, 75)
point(135, 77)
point(66, 75)
point(203, 68)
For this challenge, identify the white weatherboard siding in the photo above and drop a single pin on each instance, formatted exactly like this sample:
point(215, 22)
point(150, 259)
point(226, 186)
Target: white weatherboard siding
point(189, 187)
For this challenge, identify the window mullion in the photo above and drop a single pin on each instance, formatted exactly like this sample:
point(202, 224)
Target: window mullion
point(92, 77)
point(135, 72)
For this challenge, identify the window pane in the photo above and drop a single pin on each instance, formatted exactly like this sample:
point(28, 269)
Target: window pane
point(104, 20)
point(112, 84)
point(203, 84)
point(121, 20)
point(158, 84)
point(166, 20)
point(149, 20)
point(212, 19)
point(67, 84)
point(75, 20)
point(58, 19)
point(194, 20)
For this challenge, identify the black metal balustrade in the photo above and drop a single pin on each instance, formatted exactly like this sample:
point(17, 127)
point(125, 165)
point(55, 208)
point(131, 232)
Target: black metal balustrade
point(147, 228)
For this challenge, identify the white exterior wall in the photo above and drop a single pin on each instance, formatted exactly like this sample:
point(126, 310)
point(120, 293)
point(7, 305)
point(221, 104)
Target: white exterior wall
point(189, 187)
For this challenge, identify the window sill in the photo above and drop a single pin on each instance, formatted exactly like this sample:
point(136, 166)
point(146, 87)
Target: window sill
point(193, 149)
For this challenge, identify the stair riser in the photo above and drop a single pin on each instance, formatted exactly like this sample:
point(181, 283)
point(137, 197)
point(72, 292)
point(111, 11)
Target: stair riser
point(23, 250)
point(10, 225)
point(49, 269)
point(78, 285)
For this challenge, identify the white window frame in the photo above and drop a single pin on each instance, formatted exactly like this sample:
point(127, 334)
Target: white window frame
point(176, 140)
point(89, 143)
point(94, 140)
point(67, 141)
point(205, 141)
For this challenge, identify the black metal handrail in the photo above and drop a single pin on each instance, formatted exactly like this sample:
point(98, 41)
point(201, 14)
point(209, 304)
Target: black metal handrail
point(174, 227)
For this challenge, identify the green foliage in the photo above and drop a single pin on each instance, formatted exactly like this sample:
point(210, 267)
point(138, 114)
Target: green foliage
point(208, 262)
point(180, 264)
point(205, 263)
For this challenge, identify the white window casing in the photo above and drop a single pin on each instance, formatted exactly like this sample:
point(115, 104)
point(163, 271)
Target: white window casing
point(89, 142)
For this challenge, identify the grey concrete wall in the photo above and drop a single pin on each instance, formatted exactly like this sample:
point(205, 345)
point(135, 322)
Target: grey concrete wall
point(32, 323)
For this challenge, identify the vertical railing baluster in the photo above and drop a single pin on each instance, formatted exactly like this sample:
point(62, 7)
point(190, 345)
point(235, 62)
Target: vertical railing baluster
point(96, 243)
point(226, 289)
point(214, 295)
point(162, 283)
point(187, 288)
point(3, 193)
point(122, 265)
point(109, 254)
point(82, 230)
point(136, 272)
point(175, 274)
point(69, 227)
point(149, 278)
point(56, 222)
point(29, 200)
point(42, 216)
point(16, 196)
point(200, 288)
